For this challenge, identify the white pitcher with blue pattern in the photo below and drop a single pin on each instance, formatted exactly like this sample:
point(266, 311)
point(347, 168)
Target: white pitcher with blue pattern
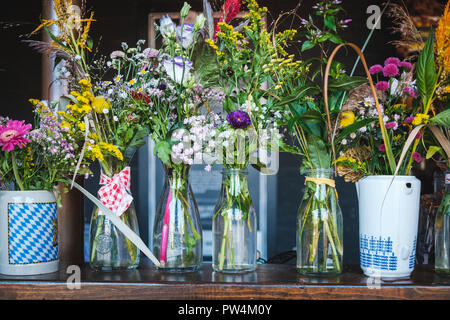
point(28, 232)
point(388, 225)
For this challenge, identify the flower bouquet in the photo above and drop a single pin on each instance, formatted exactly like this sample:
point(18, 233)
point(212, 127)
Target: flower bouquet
point(99, 117)
point(32, 162)
point(251, 63)
point(171, 98)
point(313, 120)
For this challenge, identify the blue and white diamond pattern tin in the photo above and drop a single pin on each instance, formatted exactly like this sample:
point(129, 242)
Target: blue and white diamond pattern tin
point(28, 232)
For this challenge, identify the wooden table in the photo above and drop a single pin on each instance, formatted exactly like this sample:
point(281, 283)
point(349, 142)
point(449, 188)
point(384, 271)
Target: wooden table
point(270, 281)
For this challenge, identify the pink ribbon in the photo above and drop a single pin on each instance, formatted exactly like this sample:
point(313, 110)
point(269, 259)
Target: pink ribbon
point(115, 193)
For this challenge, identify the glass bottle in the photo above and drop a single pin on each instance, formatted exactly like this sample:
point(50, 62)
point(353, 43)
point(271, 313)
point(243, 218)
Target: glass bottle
point(442, 233)
point(234, 225)
point(110, 249)
point(319, 226)
point(177, 233)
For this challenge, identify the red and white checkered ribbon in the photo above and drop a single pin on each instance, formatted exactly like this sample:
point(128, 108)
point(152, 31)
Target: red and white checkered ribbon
point(115, 193)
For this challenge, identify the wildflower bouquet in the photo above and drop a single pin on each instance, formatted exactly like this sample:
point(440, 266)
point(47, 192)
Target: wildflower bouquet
point(169, 94)
point(100, 119)
point(36, 159)
point(363, 152)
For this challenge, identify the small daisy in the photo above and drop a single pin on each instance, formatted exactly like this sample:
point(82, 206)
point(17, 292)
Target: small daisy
point(118, 78)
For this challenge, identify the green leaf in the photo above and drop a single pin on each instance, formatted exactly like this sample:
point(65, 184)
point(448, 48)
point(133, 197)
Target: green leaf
point(54, 38)
point(318, 152)
point(205, 64)
point(346, 83)
point(163, 151)
point(432, 150)
point(302, 91)
point(442, 119)
point(329, 22)
point(307, 45)
point(426, 70)
point(336, 39)
point(353, 127)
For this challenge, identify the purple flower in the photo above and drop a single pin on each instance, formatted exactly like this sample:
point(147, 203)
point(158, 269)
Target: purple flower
point(417, 157)
point(376, 69)
point(409, 119)
point(382, 148)
point(150, 53)
point(390, 70)
point(239, 119)
point(392, 60)
point(409, 91)
point(392, 125)
point(382, 85)
point(406, 65)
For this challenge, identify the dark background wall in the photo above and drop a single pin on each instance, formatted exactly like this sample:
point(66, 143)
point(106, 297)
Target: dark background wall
point(118, 21)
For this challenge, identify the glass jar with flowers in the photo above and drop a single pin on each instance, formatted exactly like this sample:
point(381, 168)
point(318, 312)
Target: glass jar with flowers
point(170, 94)
point(250, 131)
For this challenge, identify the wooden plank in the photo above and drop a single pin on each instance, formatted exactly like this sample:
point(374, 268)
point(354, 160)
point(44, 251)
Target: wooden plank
point(280, 282)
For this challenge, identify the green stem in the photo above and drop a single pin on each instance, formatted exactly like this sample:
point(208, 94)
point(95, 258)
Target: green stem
point(333, 248)
point(224, 242)
point(16, 171)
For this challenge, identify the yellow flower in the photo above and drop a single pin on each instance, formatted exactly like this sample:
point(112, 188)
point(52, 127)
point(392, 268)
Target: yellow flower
point(347, 118)
point(82, 126)
point(420, 118)
point(114, 150)
point(100, 103)
point(85, 83)
point(131, 82)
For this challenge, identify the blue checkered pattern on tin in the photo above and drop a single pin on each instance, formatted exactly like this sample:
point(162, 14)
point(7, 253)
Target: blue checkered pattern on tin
point(31, 232)
point(412, 257)
point(377, 253)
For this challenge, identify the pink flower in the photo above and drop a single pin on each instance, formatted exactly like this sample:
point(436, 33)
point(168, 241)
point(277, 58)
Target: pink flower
point(390, 70)
point(417, 157)
point(376, 69)
point(392, 125)
point(382, 85)
point(409, 91)
point(382, 148)
point(418, 135)
point(13, 134)
point(406, 65)
point(392, 60)
point(409, 119)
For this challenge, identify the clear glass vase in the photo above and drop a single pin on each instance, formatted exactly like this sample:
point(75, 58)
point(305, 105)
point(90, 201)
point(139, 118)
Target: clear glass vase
point(177, 233)
point(110, 249)
point(319, 226)
point(442, 231)
point(234, 225)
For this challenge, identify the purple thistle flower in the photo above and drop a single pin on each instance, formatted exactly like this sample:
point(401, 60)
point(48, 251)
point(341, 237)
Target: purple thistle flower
point(392, 60)
point(390, 70)
point(239, 119)
point(382, 85)
point(417, 157)
point(406, 65)
point(410, 92)
point(376, 69)
point(409, 119)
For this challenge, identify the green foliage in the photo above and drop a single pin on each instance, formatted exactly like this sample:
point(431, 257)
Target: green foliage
point(426, 70)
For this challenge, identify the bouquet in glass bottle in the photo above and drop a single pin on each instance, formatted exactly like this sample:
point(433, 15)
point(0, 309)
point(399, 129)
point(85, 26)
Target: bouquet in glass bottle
point(314, 120)
point(171, 94)
point(249, 63)
point(101, 122)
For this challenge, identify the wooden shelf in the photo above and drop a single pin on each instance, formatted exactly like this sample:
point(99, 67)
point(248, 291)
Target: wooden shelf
point(269, 281)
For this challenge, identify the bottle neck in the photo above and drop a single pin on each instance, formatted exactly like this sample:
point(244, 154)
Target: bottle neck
point(326, 173)
point(234, 181)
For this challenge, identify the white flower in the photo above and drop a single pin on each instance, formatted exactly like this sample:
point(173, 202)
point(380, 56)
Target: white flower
point(115, 118)
point(117, 55)
point(185, 10)
point(353, 135)
point(167, 27)
point(105, 111)
point(208, 168)
point(188, 35)
point(178, 69)
point(344, 142)
point(199, 22)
